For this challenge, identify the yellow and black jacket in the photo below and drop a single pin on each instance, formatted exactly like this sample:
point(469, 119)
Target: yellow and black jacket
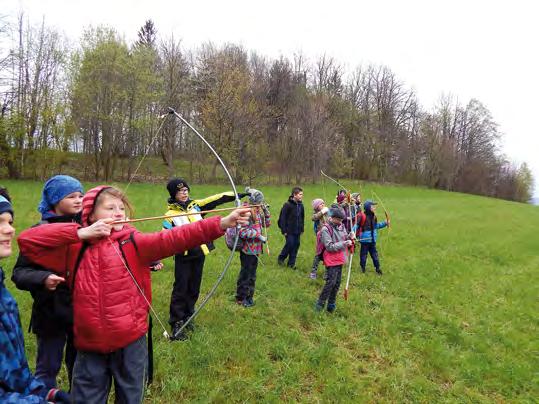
point(195, 205)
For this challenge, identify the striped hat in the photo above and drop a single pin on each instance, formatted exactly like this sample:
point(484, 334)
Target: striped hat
point(88, 202)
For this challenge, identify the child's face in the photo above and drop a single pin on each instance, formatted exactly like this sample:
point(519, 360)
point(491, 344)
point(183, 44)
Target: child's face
point(70, 205)
point(182, 195)
point(373, 208)
point(7, 231)
point(109, 207)
point(298, 197)
point(336, 220)
point(322, 206)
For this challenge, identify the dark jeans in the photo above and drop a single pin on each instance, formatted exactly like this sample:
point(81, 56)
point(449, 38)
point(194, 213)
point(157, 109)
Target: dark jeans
point(331, 287)
point(94, 372)
point(247, 277)
point(50, 352)
point(290, 249)
point(186, 289)
point(369, 248)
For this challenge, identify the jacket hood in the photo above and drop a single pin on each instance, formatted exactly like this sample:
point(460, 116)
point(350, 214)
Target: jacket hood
point(88, 202)
point(292, 200)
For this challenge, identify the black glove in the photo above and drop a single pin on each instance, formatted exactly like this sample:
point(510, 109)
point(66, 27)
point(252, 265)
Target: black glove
point(242, 195)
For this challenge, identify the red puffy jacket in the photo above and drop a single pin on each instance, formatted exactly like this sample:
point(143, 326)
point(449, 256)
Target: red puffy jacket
point(109, 310)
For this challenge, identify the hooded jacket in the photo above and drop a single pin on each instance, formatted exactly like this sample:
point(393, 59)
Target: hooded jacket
point(109, 310)
point(291, 217)
point(334, 237)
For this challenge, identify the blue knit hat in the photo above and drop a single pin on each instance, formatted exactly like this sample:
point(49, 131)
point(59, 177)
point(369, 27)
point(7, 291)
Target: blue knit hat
point(5, 206)
point(56, 189)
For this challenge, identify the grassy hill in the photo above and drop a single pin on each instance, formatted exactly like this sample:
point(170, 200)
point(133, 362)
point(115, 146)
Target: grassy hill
point(453, 318)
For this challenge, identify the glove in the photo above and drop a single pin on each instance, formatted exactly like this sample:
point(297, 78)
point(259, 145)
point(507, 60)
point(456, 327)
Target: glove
point(262, 238)
point(325, 210)
point(58, 396)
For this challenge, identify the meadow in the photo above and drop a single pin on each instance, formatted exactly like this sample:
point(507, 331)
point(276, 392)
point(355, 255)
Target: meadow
point(454, 318)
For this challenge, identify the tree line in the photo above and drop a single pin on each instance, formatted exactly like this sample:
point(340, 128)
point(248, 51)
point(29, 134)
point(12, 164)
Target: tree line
point(272, 120)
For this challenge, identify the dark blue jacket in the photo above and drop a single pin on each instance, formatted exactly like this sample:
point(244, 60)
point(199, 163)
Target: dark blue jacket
point(291, 218)
point(17, 384)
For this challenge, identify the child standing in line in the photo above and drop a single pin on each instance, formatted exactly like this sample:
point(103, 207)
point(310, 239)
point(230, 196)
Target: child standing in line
point(109, 270)
point(332, 243)
point(252, 248)
point(319, 218)
point(17, 384)
point(52, 310)
point(366, 231)
point(188, 264)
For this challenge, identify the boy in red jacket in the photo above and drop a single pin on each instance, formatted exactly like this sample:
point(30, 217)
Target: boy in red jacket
point(335, 241)
point(111, 286)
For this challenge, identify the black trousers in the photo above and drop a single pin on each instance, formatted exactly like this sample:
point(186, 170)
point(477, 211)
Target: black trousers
point(247, 277)
point(332, 285)
point(369, 248)
point(290, 249)
point(186, 289)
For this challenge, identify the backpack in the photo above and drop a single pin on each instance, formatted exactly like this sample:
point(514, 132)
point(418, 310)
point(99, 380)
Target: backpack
point(320, 248)
point(230, 236)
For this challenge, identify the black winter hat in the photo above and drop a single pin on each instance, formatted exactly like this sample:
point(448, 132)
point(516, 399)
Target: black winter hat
point(175, 184)
point(336, 212)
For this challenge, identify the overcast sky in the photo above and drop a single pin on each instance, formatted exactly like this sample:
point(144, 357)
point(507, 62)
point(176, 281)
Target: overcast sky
point(472, 49)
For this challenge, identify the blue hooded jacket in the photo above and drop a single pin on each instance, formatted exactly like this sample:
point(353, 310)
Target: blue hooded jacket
point(17, 384)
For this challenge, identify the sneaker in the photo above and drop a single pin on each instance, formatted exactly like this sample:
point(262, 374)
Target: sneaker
point(178, 335)
point(318, 306)
point(362, 270)
point(331, 307)
point(312, 275)
point(292, 267)
point(248, 302)
point(379, 271)
point(280, 263)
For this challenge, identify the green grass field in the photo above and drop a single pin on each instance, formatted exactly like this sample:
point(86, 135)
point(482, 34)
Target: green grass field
point(453, 318)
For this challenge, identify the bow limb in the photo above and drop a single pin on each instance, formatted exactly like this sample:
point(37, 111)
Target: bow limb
point(335, 181)
point(236, 202)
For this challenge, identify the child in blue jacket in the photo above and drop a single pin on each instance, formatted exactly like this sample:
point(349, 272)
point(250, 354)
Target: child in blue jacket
point(366, 232)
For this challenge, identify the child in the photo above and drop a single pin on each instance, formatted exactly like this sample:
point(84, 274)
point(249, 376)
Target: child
point(188, 264)
point(252, 248)
point(366, 231)
point(17, 385)
point(319, 218)
point(291, 223)
point(112, 287)
point(52, 310)
point(333, 241)
point(355, 206)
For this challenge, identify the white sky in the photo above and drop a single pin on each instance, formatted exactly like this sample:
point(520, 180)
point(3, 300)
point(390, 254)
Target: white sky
point(471, 49)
